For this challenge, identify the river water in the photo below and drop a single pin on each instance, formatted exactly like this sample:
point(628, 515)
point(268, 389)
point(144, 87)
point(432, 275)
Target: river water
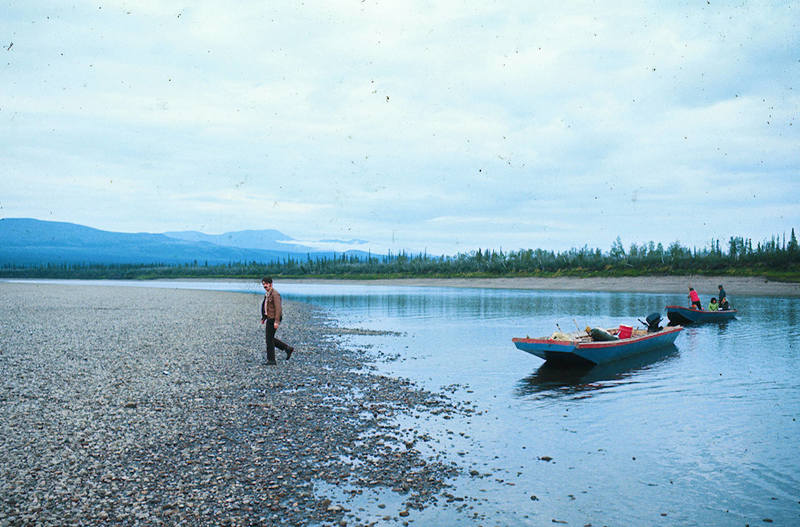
point(704, 432)
point(701, 433)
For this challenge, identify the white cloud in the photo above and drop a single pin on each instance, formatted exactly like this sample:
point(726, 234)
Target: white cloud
point(404, 123)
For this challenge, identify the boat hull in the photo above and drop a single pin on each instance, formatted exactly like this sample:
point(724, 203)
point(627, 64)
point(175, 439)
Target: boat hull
point(682, 315)
point(572, 352)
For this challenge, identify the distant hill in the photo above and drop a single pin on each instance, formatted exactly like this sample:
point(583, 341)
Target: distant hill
point(26, 241)
point(263, 240)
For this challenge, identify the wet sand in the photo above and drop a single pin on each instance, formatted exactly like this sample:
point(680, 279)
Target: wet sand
point(705, 285)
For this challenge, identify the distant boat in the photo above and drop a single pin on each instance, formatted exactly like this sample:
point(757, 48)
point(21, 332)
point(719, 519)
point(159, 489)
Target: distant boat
point(679, 315)
point(595, 348)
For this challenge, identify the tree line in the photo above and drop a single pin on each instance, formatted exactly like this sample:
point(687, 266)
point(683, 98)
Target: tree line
point(777, 257)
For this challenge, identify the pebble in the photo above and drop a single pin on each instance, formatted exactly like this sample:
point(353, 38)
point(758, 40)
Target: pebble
point(147, 406)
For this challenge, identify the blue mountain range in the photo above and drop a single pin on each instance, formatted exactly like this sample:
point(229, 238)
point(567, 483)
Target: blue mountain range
point(26, 241)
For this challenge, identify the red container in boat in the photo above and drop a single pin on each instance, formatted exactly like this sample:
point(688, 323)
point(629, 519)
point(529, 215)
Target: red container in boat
point(624, 332)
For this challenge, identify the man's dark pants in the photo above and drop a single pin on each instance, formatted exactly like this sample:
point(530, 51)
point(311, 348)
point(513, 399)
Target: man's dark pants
point(272, 342)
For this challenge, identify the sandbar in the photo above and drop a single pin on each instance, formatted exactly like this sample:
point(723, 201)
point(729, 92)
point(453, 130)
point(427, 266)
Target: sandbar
point(705, 285)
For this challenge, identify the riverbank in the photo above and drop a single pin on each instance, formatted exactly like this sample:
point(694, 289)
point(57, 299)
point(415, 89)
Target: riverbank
point(153, 406)
point(705, 285)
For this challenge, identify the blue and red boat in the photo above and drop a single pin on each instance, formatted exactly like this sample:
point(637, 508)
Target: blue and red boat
point(587, 349)
point(681, 315)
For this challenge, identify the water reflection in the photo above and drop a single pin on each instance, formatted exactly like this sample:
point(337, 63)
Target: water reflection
point(443, 303)
point(553, 380)
point(723, 326)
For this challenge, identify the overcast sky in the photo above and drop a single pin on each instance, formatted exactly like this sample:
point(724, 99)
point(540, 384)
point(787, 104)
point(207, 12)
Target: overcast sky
point(422, 125)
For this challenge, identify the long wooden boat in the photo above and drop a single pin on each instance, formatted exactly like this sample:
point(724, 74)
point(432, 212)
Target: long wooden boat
point(680, 315)
point(583, 349)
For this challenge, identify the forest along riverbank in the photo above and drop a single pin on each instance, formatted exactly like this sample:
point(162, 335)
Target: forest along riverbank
point(139, 405)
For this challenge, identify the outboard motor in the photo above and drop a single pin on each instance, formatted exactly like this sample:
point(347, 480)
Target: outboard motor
point(652, 322)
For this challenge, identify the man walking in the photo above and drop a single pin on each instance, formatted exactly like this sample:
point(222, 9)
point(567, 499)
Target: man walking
point(271, 314)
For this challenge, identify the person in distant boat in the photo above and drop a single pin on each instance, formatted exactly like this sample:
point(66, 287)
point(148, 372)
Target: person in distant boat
point(722, 296)
point(271, 315)
point(713, 306)
point(694, 299)
point(724, 305)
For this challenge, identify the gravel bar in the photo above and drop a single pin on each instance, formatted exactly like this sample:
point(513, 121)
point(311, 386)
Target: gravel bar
point(145, 406)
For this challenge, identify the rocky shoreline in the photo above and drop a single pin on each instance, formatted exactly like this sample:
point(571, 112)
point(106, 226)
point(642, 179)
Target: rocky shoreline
point(140, 406)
